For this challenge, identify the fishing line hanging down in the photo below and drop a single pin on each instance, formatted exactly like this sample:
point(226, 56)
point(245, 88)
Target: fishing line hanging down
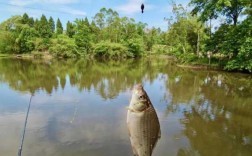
point(23, 134)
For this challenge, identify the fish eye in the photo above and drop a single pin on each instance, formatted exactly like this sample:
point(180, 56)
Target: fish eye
point(141, 96)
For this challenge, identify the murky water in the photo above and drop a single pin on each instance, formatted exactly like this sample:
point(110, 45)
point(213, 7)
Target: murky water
point(79, 108)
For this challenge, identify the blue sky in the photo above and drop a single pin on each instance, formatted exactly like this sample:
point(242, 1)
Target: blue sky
point(155, 10)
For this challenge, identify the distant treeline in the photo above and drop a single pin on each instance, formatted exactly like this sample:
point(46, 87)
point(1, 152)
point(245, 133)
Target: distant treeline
point(189, 37)
point(107, 35)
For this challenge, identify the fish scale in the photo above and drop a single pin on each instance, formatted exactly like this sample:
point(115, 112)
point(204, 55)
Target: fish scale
point(144, 128)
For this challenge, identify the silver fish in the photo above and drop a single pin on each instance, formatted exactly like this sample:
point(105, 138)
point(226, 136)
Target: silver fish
point(142, 122)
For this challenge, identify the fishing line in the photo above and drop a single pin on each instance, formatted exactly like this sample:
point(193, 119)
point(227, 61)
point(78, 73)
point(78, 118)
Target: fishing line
point(75, 113)
point(23, 134)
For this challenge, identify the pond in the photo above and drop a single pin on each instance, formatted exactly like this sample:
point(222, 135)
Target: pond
point(78, 108)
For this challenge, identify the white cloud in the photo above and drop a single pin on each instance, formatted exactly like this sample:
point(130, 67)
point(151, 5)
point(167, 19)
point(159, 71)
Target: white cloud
point(20, 2)
point(133, 6)
point(59, 1)
point(21, 6)
point(28, 2)
point(73, 11)
point(20, 10)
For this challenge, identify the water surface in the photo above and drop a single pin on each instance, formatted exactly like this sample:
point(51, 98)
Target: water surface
point(79, 108)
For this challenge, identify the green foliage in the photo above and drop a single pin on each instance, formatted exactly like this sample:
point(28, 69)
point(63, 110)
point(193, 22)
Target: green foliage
point(25, 19)
point(151, 38)
point(186, 34)
point(82, 36)
point(25, 40)
point(43, 27)
point(70, 29)
point(243, 61)
point(9, 32)
point(135, 46)
point(59, 28)
point(21, 34)
point(111, 50)
point(42, 44)
point(63, 46)
point(187, 58)
point(234, 43)
point(112, 36)
point(51, 25)
point(223, 40)
point(7, 42)
point(161, 49)
point(176, 37)
point(212, 9)
point(231, 41)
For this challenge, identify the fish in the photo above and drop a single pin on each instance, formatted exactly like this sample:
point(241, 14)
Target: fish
point(142, 122)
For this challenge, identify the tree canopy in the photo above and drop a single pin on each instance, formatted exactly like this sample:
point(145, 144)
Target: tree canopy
point(108, 35)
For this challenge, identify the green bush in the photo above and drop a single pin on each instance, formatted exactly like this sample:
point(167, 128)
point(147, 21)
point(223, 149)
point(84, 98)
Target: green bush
point(63, 46)
point(160, 49)
point(42, 44)
point(187, 58)
point(243, 61)
point(111, 50)
point(135, 46)
point(7, 42)
point(26, 39)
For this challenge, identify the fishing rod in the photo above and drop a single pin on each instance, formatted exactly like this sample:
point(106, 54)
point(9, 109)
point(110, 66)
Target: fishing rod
point(23, 134)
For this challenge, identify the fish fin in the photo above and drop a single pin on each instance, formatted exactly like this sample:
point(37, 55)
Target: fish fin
point(159, 134)
point(130, 109)
point(128, 130)
point(134, 151)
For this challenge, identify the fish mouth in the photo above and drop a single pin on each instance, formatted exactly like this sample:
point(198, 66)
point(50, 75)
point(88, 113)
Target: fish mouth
point(143, 101)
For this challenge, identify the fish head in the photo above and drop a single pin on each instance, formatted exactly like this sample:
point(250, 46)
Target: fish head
point(139, 100)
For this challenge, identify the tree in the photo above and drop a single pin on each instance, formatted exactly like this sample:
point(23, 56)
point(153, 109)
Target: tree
point(59, 28)
point(212, 9)
point(25, 39)
point(25, 19)
point(43, 27)
point(82, 36)
point(51, 24)
point(63, 46)
point(70, 29)
point(152, 38)
point(86, 22)
point(99, 19)
point(239, 46)
point(185, 36)
point(94, 32)
point(36, 24)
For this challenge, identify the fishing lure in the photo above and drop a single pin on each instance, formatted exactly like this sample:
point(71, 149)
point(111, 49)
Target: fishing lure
point(142, 7)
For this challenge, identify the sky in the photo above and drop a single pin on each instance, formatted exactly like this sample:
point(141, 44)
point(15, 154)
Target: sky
point(154, 12)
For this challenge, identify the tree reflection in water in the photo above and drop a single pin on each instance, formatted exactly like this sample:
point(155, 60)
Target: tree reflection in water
point(108, 78)
point(216, 111)
point(215, 106)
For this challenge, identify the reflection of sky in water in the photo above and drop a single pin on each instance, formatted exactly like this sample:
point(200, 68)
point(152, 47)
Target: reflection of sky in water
point(192, 107)
point(97, 124)
point(98, 127)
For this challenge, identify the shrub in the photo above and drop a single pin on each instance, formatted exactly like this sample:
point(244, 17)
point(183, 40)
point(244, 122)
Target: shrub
point(160, 49)
point(111, 50)
point(63, 46)
point(135, 46)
